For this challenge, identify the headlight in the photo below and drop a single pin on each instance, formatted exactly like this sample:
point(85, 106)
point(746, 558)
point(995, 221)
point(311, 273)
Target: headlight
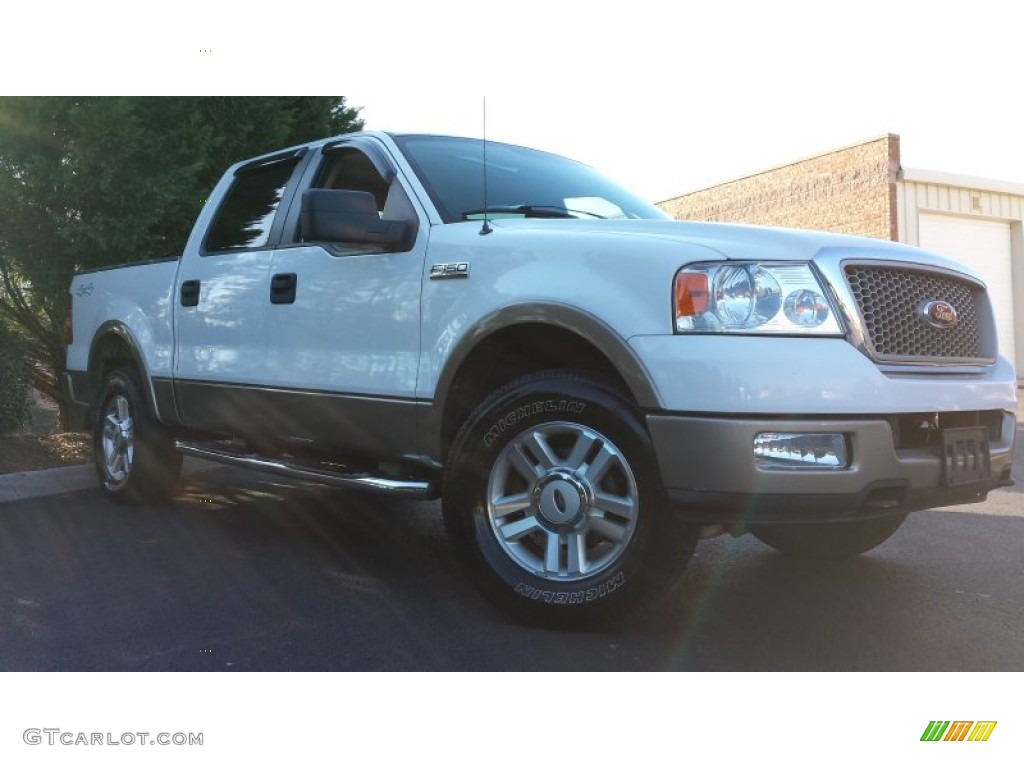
point(731, 297)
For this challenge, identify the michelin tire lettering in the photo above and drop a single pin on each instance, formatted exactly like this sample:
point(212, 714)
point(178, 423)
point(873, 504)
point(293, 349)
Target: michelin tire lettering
point(524, 412)
point(575, 597)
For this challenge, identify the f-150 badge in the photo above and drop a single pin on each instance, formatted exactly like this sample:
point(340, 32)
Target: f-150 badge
point(450, 271)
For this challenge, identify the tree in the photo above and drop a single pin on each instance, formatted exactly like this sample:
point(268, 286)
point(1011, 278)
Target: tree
point(13, 390)
point(94, 181)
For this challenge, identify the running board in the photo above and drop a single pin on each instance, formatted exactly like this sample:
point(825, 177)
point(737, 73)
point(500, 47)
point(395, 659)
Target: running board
point(310, 471)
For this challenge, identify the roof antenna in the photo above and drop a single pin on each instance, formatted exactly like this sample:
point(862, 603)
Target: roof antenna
point(486, 228)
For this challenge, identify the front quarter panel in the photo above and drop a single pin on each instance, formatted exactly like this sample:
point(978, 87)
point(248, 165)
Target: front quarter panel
point(520, 273)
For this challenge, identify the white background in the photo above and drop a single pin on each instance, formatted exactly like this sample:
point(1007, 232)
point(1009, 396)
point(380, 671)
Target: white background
point(511, 720)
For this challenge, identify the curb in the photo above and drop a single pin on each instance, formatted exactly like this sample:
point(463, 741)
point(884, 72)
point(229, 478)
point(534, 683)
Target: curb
point(47, 482)
point(20, 486)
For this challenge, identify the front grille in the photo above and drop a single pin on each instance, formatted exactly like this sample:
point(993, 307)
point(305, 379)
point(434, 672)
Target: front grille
point(889, 299)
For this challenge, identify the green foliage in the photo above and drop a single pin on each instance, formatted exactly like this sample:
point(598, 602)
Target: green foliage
point(13, 387)
point(94, 181)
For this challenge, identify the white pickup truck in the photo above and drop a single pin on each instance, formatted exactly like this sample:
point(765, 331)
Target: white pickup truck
point(589, 386)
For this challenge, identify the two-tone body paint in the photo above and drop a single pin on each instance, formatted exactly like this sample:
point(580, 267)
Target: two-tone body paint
point(374, 328)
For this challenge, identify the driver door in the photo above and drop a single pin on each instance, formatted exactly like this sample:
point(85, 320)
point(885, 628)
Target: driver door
point(343, 341)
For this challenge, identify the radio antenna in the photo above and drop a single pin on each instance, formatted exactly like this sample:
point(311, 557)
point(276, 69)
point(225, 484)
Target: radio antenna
point(486, 228)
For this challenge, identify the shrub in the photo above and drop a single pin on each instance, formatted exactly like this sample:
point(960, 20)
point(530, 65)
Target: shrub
point(13, 384)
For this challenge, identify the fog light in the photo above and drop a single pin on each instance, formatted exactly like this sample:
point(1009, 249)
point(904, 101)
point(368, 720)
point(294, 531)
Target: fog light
point(795, 450)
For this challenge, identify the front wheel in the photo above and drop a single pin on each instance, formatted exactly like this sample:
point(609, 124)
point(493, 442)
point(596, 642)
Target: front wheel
point(554, 502)
point(829, 541)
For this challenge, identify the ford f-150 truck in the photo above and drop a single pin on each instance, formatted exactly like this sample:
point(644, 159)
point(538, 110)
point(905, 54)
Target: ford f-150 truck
point(587, 385)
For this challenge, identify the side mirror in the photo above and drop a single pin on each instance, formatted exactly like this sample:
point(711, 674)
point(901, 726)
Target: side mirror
point(347, 216)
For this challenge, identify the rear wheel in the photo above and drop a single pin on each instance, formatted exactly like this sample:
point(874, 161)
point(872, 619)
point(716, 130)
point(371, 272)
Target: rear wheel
point(829, 541)
point(134, 455)
point(554, 503)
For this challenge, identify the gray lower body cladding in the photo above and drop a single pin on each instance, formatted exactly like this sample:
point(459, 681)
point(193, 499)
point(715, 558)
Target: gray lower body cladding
point(711, 475)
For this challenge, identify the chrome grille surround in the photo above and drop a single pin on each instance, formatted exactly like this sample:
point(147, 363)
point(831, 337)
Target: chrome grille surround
point(888, 299)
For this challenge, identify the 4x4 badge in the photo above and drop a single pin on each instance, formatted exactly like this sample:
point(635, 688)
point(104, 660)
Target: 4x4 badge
point(938, 314)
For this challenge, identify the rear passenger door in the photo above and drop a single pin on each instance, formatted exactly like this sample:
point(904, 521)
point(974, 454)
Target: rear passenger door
point(223, 297)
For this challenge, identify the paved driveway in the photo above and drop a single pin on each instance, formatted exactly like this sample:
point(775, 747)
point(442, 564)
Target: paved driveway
point(249, 572)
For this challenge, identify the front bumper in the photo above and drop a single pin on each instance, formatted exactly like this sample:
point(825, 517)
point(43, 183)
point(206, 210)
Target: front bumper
point(709, 472)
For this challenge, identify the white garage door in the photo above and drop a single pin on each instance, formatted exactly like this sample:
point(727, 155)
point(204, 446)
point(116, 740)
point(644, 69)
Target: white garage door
point(985, 247)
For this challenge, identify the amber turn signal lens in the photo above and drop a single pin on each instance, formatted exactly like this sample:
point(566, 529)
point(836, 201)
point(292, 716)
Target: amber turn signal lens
point(691, 294)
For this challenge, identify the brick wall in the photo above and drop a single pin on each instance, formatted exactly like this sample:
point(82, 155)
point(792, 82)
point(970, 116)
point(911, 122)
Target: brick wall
point(850, 190)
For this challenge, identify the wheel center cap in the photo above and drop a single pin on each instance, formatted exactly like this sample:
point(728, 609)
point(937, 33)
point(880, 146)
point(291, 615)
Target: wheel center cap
point(560, 498)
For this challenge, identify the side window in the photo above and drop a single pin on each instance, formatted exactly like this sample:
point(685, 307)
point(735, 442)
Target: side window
point(395, 226)
point(247, 213)
point(351, 169)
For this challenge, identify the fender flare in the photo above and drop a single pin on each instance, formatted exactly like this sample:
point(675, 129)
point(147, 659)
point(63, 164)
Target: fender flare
point(118, 330)
point(609, 343)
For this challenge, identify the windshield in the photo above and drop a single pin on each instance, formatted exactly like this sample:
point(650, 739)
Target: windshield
point(520, 182)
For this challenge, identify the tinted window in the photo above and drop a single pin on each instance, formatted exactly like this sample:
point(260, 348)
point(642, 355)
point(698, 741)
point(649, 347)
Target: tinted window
point(452, 170)
point(351, 169)
point(247, 213)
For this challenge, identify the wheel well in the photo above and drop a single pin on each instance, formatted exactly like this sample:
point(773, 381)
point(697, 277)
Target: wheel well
point(517, 351)
point(111, 352)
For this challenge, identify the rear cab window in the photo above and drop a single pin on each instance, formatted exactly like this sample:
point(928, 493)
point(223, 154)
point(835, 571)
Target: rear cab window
point(247, 213)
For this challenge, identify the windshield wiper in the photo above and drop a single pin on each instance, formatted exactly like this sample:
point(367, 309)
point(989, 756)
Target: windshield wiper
point(531, 211)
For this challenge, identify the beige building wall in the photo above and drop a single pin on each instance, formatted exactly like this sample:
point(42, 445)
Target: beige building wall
point(850, 190)
point(931, 191)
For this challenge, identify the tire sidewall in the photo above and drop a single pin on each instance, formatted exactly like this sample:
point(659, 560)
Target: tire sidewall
point(533, 403)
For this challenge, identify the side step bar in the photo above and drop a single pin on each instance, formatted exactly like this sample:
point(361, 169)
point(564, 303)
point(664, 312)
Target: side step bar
point(312, 472)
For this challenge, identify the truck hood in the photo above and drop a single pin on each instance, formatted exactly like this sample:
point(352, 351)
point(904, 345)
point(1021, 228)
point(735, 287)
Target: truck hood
point(731, 241)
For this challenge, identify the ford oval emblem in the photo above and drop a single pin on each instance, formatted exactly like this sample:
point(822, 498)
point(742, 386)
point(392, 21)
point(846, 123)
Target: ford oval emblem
point(938, 314)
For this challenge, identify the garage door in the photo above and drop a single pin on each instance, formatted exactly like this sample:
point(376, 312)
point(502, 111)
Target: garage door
point(985, 247)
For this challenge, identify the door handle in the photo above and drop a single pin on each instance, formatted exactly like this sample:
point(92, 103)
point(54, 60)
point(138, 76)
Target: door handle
point(190, 293)
point(282, 288)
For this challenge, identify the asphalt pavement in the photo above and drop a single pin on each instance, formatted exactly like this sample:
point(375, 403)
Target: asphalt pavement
point(246, 573)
